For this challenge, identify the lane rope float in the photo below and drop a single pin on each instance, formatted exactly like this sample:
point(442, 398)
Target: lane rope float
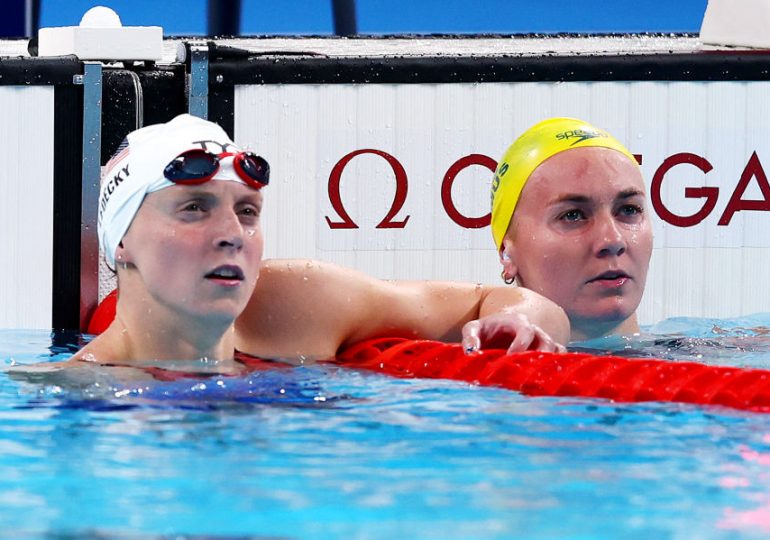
point(571, 374)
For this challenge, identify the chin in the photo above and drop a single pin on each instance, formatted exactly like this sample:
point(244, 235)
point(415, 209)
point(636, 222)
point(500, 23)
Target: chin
point(221, 314)
point(618, 316)
point(617, 312)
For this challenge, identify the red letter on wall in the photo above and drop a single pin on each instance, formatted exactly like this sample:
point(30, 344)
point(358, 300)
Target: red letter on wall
point(398, 200)
point(753, 170)
point(711, 194)
point(446, 190)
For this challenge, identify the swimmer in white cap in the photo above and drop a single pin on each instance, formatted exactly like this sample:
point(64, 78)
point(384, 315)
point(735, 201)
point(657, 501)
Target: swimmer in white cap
point(179, 220)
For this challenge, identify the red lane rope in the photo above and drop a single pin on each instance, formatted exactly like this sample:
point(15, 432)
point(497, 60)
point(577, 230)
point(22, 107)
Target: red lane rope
point(572, 374)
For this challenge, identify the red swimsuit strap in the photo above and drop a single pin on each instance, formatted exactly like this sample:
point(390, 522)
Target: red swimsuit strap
point(250, 364)
point(254, 363)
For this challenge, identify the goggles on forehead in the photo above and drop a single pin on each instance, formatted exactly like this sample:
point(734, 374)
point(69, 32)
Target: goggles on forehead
point(198, 166)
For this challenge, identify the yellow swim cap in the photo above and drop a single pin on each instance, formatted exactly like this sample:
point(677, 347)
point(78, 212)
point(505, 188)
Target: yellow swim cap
point(532, 148)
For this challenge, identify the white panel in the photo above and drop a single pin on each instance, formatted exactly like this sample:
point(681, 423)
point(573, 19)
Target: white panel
point(26, 206)
point(434, 46)
point(702, 269)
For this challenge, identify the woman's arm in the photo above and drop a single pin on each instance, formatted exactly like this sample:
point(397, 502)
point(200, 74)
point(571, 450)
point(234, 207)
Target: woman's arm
point(309, 308)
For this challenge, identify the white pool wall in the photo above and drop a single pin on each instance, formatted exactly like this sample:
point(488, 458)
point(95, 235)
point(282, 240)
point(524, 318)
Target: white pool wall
point(26, 206)
point(706, 269)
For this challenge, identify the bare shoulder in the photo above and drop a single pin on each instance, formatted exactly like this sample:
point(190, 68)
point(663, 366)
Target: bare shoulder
point(293, 282)
point(105, 348)
point(72, 375)
point(95, 353)
point(298, 271)
point(303, 307)
point(97, 362)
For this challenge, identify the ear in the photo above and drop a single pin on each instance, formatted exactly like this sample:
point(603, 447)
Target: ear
point(508, 260)
point(121, 254)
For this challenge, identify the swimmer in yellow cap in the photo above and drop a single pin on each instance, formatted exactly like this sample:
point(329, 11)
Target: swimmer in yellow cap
point(569, 219)
point(179, 220)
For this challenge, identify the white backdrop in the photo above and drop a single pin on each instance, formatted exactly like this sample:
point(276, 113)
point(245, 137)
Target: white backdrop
point(26, 206)
point(689, 135)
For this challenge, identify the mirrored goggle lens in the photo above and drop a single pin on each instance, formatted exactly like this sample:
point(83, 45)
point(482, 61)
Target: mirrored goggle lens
point(255, 167)
point(191, 166)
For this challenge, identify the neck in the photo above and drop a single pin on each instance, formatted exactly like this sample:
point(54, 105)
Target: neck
point(149, 331)
point(583, 330)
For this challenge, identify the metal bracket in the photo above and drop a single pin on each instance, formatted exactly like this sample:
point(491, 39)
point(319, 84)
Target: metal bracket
point(139, 105)
point(198, 82)
point(91, 173)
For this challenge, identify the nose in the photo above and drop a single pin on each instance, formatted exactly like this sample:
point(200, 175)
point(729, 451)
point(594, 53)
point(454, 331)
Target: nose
point(229, 232)
point(611, 242)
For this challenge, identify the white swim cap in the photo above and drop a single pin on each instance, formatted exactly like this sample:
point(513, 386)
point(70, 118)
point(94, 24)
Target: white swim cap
point(137, 169)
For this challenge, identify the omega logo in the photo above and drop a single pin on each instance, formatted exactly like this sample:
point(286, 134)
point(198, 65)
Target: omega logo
point(402, 188)
point(710, 194)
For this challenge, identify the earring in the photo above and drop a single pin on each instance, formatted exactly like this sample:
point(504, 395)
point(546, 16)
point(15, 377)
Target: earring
point(507, 280)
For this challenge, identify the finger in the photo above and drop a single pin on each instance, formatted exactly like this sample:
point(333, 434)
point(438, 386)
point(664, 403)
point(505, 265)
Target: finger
point(544, 342)
point(524, 336)
point(559, 348)
point(548, 346)
point(471, 337)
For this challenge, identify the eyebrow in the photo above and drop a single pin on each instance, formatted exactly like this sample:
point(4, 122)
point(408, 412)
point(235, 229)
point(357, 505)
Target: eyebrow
point(573, 198)
point(193, 188)
point(628, 193)
point(582, 199)
point(206, 190)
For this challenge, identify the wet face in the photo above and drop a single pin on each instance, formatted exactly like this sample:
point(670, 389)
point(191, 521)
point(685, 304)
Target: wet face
point(196, 250)
point(581, 236)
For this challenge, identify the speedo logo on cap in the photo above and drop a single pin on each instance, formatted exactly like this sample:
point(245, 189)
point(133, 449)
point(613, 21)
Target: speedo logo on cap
point(579, 135)
point(501, 170)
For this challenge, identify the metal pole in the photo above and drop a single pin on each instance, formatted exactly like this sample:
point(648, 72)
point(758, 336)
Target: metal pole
point(31, 17)
point(223, 18)
point(198, 81)
point(344, 17)
point(92, 154)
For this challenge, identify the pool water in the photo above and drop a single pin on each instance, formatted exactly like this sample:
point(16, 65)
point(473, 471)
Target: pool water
point(325, 452)
point(738, 342)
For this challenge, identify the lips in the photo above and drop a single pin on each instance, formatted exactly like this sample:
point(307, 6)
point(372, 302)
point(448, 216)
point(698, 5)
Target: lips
point(227, 272)
point(610, 276)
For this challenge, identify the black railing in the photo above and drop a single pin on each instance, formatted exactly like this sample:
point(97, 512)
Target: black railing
point(224, 17)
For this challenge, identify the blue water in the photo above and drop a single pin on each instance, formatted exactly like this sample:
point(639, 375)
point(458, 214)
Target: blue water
point(324, 452)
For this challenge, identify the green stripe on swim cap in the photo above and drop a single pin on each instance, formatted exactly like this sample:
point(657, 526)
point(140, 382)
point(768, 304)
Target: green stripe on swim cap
point(528, 152)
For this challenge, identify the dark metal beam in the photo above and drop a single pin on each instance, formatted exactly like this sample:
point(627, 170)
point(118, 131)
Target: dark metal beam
point(344, 17)
point(223, 18)
point(20, 18)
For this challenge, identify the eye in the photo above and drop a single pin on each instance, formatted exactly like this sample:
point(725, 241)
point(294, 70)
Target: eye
point(630, 210)
point(249, 212)
point(194, 206)
point(572, 215)
point(193, 209)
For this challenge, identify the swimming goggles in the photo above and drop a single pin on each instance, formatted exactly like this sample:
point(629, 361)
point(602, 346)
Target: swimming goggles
point(198, 166)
